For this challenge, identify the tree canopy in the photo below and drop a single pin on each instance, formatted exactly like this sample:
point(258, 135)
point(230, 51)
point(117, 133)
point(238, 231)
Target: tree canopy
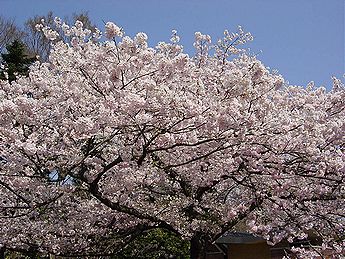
point(36, 44)
point(151, 138)
point(9, 32)
point(15, 61)
point(35, 40)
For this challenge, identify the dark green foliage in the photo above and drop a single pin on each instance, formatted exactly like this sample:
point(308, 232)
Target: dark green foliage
point(15, 61)
point(156, 244)
point(152, 244)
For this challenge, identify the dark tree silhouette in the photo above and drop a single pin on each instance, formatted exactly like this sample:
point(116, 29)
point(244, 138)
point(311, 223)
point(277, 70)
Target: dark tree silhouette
point(35, 40)
point(15, 61)
point(9, 31)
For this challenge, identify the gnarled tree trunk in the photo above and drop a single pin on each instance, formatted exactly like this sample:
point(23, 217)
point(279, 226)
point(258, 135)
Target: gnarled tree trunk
point(2, 252)
point(198, 246)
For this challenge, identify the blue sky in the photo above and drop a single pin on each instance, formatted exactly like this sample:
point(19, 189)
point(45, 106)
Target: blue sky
point(302, 39)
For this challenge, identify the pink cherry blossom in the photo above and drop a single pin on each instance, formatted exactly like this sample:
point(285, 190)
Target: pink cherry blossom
point(117, 137)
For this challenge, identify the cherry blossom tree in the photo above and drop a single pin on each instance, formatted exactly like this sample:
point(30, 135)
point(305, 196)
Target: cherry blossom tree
point(40, 46)
point(110, 138)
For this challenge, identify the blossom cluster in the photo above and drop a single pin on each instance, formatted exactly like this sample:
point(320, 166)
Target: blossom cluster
point(141, 137)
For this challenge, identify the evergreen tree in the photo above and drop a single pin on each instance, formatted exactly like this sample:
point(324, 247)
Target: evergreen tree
point(15, 61)
point(155, 244)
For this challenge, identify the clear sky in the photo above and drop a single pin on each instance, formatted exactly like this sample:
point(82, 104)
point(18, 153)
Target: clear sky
point(302, 39)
